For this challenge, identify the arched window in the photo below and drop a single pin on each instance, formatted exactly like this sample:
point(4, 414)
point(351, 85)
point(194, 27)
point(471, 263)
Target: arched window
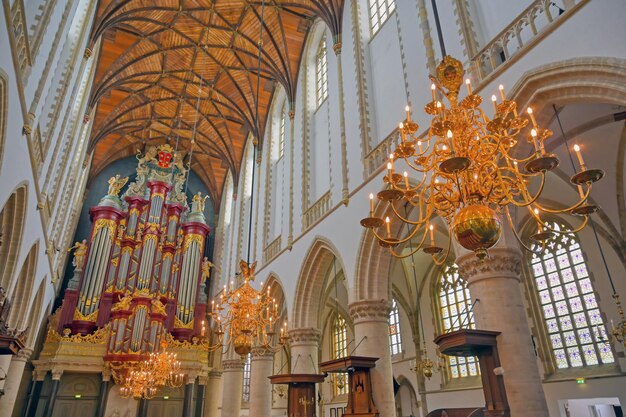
point(281, 131)
point(321, 73)
point(380, 10)
point(340, 350)
point(246, 379)
point(568, 303)
point(455, 307)
point(395, 341)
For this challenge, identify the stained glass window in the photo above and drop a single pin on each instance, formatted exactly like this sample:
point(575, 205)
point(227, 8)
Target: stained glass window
point(340, 349)
point(246, 378)
point(395, 341)
point(456, 313)
point(321, 73)
point(380, 10)
point(568, 304)
point(281, 132)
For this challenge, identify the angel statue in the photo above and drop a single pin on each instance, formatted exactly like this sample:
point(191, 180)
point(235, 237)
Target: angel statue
point(115, 184)
point(206, 268)
point(80, 250)
point(247, 270)
point(197, 204)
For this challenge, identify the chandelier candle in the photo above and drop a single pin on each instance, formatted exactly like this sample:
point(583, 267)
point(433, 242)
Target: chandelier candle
point(468, 170)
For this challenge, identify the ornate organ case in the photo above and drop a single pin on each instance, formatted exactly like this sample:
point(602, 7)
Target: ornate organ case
point(141, 274)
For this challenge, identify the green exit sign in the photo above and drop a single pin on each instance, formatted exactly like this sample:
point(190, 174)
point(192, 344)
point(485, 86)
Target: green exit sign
point(580, 380)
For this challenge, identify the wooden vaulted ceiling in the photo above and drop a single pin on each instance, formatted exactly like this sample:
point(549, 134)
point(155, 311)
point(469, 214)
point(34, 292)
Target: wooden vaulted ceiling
point(160, 60)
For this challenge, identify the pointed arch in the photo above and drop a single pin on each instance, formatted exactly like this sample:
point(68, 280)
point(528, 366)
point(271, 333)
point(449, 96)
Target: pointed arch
point(20, 300)
point(307, 307)
point(589, 79)
point(12, 219)
point(35, 311)
point(4, 110)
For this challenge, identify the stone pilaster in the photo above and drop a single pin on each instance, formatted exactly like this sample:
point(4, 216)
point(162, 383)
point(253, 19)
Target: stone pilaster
point(233, 387)
point(371, 334)
point(304, 348)
point(213, 394)
point(261, 367)
point(494, 284)
point(12, 382)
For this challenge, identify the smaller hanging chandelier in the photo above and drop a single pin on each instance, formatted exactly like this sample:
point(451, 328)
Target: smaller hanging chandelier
point(249, 316)
point(468, 172)
point(160, 369)
point(427, 366)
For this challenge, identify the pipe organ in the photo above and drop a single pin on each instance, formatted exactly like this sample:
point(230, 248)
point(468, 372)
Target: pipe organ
point(142, 272)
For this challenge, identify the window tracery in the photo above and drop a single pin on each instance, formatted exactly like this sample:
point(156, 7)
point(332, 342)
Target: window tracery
point(568, 304)
point(380, 10)
point(455, 307)
point(339, 350)
point(395, 340)
point(321, 73)
point(246, 378)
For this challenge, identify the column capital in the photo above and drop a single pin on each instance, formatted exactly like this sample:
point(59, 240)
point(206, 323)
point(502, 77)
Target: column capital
point(215, 374)
point(23, 355)
point(232, 365)
point(39, 374)
point(56, 374)
point(304, 336)
point(202, 380)
point(260, 353)
point(106, 374)
point(502, 263)
point(190, 379)
point(369, 310)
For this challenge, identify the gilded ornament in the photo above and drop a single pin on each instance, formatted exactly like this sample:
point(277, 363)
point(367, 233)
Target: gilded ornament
point(89, 317)
point(192, 237)
point(115, 185)
point(80, 250)
point(102, 223)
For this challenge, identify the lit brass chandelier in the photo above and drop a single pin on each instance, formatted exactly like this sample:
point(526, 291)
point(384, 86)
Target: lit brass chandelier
point(143, 380)
point(249, 316)
point(469, 174)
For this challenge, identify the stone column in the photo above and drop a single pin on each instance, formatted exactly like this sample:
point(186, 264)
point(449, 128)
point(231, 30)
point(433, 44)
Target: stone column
point(5, 363)
point(233, 387)
point(33, 400)
point(304, 350)
point(188, 399)
point(213, 394)
point(104, 394)
point(494, 284)
point(261, 366)
point(200, 390)
point(342, 125)
point(371, 338)
point(54, 390)
point(12, 382)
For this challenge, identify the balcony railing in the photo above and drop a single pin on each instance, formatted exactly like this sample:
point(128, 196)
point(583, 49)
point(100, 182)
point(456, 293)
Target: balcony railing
point(379, 155)
point(272, 250)
point(536, 21)
point(316, 211)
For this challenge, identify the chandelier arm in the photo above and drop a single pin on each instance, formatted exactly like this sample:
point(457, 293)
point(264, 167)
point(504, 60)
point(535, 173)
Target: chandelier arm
point(413, 250)
point(441, 261)
point(528, 248)
point(418, 222)
point(575, 206)
point(396, 242)
point(533, 200)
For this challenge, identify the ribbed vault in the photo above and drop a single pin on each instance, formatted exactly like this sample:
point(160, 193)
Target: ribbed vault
point(160, 60)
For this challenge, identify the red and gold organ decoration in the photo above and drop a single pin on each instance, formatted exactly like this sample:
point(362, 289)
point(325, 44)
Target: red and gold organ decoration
point(141, 274)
